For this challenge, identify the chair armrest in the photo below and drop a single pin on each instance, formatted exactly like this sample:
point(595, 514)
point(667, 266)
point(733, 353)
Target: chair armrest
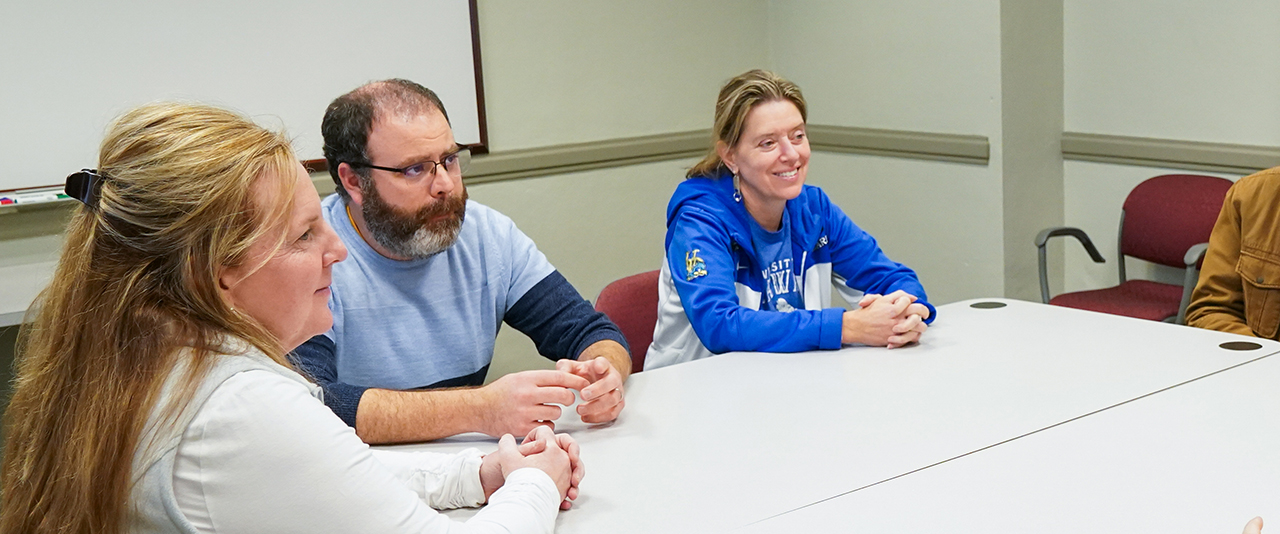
point(1056, 231)
point(1194, 255)
point(1192, 260)
point(1077, 233)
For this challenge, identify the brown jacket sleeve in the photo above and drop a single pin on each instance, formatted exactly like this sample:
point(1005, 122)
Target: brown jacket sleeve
point(1239, 289)
point(1218, 300)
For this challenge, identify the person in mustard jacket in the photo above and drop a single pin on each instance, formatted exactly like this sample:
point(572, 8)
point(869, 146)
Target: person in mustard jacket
point(1239, 288)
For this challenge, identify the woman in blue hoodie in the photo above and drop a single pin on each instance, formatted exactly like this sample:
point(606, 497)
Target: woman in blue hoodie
point(752, 251)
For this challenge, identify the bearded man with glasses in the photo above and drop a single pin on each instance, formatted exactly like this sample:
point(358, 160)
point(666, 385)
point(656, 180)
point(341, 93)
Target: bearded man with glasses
point(430, 278)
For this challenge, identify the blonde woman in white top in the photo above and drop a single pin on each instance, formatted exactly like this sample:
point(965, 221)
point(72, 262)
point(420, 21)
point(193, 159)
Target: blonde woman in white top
point(153, 393)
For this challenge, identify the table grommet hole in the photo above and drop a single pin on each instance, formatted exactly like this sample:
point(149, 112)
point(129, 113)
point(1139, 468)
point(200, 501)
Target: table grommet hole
point(987, 305)
point(1240, 345)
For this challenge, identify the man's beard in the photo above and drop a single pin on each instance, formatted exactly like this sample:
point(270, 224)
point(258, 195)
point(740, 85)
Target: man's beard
point(417, 234)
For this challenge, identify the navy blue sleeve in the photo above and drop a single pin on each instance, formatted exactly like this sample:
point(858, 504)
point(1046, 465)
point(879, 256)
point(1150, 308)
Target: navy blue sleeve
point(560, 322)
point(318, 359)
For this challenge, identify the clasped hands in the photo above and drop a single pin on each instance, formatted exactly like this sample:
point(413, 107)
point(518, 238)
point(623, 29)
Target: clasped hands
point(522, 402)
point(892, 320)
point(557, 455)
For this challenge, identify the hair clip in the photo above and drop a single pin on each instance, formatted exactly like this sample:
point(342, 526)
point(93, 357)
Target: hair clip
point(85, 186)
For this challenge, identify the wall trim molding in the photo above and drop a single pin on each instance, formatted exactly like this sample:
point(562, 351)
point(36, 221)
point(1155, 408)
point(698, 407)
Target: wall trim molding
point(1171, 153)
point(956, 148)
point(559, 159)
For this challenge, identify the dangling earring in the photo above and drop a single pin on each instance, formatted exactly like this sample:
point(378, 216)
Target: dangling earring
point(737, 192)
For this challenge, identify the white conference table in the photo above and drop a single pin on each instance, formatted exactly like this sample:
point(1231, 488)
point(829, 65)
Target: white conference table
point(1203, 457)
point(730, 441)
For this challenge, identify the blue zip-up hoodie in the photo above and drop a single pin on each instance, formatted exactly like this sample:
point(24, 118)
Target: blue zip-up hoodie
point(711, 282)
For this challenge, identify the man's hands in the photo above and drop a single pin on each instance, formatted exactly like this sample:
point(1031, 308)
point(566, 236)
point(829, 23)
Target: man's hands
point(892, 320)
point(513, 404)
point(557, 455)
point(603, 399)
point(520, 402)
point(1254, 526)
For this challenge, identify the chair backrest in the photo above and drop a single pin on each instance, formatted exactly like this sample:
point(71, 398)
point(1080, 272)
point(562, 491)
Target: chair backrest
point(632, 304)
point(1166, 215)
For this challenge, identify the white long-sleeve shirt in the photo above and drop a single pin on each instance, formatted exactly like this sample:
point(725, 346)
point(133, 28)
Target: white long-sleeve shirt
point(263, 455)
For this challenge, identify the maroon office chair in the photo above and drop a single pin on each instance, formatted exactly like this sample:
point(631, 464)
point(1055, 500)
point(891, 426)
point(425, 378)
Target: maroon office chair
point(1167, 220)
point(632, 304)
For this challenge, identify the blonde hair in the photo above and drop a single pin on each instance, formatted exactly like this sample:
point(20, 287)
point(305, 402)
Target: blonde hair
point(737, 98)
point(136, 285)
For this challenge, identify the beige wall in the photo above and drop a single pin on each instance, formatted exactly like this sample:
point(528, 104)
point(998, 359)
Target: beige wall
point(912, 209)
point(574, 71)
point(31, 236)
point(564, 72)
point(567, 72)
point(1031, 151)
point(926, 65)
point(594, 226)
point(1194, 71)
point(923, 65)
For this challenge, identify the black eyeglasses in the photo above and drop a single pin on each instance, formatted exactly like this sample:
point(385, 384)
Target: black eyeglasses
point(454, 163)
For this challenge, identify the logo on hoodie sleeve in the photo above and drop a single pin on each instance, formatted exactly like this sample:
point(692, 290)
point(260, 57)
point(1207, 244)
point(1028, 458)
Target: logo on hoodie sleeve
point(694, 267)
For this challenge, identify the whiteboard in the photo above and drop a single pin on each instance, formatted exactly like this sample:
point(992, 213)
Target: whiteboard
point(71, 66)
